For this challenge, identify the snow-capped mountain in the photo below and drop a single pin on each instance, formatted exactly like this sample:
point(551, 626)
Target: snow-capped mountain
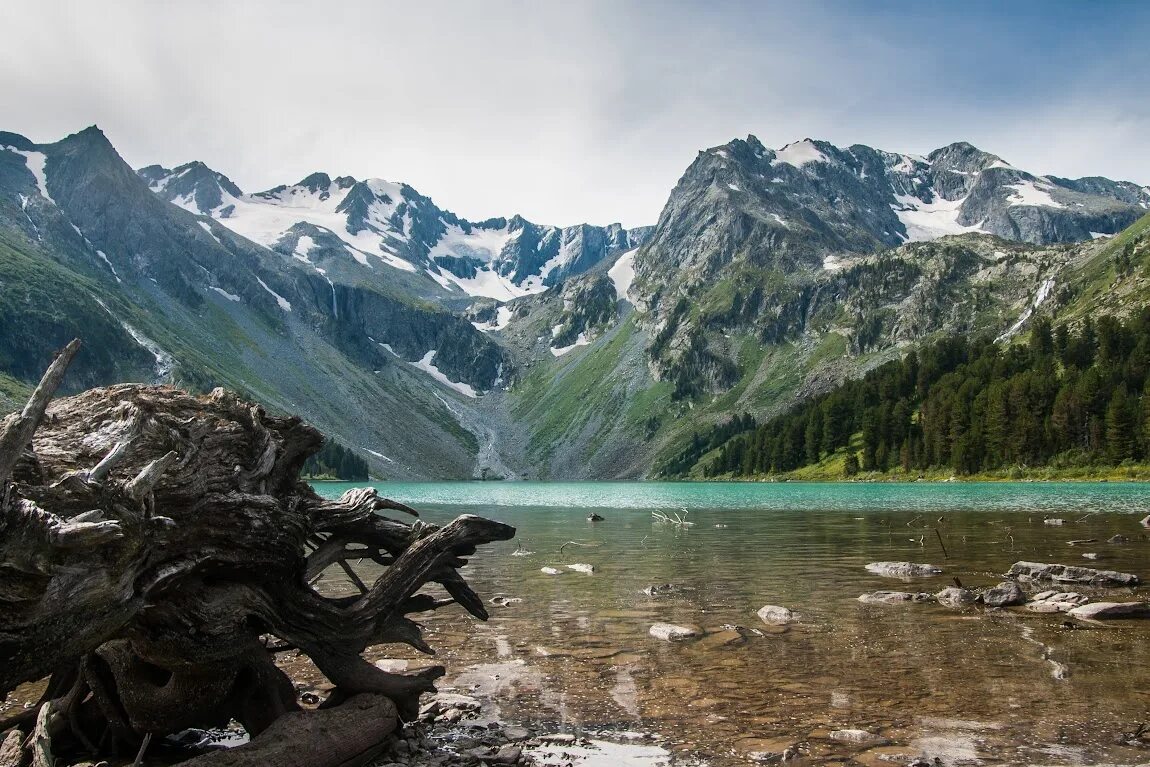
point(376, 224)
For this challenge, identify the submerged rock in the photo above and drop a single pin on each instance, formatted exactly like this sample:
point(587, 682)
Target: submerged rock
point(550, 571)
point(1054, 521)
point(902, 569)
point(1070, 574)
point(953, 596)
point(1056, 601)
point(1111, 610)
point(895, 597)
point(773, 615)
point(861, 737)
point(1005, 594)
point(672, 633)
point(580, 567)
point(659, 589)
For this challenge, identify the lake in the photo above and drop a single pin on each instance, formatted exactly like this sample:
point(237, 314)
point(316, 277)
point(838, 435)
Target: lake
point(967, 686)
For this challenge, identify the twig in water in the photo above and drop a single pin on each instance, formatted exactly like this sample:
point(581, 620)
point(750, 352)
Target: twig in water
point(575, 543)
point(940, 543)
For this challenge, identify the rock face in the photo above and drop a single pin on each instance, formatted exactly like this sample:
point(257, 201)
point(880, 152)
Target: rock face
point(773, 615)
point(671, 633)
point(956, 597)
point(1070, 574)
point(1005, 594)
point(1111, 610)
point(895, 597)
point(902, 569)
point(1056, 601)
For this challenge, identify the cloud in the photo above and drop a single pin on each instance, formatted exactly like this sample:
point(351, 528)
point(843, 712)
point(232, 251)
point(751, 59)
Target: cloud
point(570, 112)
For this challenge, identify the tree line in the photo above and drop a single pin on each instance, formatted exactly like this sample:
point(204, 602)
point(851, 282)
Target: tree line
point(336, 461)
point(1062, 397)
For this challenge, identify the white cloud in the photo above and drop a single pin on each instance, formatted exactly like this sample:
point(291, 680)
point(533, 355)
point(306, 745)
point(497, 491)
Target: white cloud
point(562, 112)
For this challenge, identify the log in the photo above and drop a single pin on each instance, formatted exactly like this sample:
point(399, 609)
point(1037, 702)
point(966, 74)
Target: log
point(154, 544)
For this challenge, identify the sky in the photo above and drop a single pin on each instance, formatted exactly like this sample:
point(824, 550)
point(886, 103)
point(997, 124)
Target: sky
point(571, 112)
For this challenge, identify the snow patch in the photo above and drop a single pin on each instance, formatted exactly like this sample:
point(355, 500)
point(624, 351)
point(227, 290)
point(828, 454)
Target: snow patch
point(104, 257)
point(427, 365)
point(502, 319)
point(165, 363)
point(930, 220)
point(1101, 236)
point(226, 294)
point(378, 454)
point(283, 302)
point(734, 187)
point(832, 263)
point(580, 341)
point(36, 162)
point(1033, 194)
point(622, 274)
point(208, 228)
point(799, 154)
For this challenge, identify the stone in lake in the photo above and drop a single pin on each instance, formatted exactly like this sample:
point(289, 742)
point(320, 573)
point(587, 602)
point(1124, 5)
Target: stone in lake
point(773, 615)
point(895, 597)
point(1111, 610)
point(1039, 571)
point(953, 596)
point(1004, 594)
point(659, 589)
point(902, 569)
point(550, 571)
point(672, 633)
point(1054, 521)
point(1056, 601)
point(861, 737)
point(580, 567)
point(1118, 539)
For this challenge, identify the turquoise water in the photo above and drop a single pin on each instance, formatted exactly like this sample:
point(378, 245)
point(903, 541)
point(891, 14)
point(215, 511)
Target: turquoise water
point(1045, 497)
point(968, 686)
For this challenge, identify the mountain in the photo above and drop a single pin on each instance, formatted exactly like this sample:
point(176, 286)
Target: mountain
point(779, 222)
point(434, 346)
point(360, 227)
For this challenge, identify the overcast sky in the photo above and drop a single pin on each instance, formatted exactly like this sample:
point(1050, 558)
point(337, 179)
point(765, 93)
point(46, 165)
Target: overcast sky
point(574, 111)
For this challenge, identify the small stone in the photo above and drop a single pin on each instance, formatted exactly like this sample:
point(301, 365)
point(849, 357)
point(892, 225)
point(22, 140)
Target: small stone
point(1054, 521)
point(1118, 539)
point(672, 633)
point(550, 571)
point(903, 569)
point(507, 755)
point(953, 596)
point(895, 597)
point(773, 615)
point(1090, 555)
point(1111, 610)
point(580, 567)
point(659, 589)
point(1004, 594)
point(1070, 574)
point(861, 737)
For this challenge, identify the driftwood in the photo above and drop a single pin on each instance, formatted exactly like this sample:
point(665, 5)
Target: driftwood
point(157, 549)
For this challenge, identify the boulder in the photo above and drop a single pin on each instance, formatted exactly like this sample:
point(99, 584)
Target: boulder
point(1056, 601)
point(895, 597)
point(580, 567)
point(1039, 571)
point(659, 589)
point(953, 596)
point(773, 615)
point(672, 633)
point(550, 571)
point(1099, 611)
point(1004, 594)
point(902, 569)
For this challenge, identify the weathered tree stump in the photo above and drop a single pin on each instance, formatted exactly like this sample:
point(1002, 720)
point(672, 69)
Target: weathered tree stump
point(157, 549)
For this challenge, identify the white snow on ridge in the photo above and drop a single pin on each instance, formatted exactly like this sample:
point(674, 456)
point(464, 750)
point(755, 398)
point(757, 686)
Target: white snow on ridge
point(165, 363)
point(1031, 193)
point(581, 340)
point(104, 257)
point(929, 221)
point(622, 274)
point(1101, 236)
point(799, 154)
point(208, 228)
point(303, 246)
point(283, 302)
point(427, 365)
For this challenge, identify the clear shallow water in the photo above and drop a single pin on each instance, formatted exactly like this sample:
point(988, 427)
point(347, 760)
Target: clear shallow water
point(970, 687)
